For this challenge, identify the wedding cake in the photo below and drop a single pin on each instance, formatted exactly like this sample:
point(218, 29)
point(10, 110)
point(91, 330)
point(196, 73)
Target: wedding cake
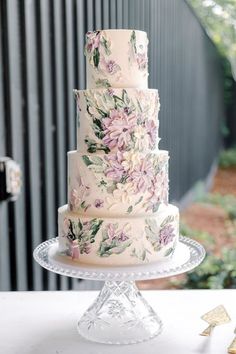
point(118, 211)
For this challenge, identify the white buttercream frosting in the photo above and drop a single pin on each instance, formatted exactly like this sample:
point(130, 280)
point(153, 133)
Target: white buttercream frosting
point(116, 58)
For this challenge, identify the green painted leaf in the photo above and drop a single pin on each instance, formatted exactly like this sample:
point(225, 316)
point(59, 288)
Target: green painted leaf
point(80, 225)
point(103, 113)
point(103, 83)
point(96, 226)
point(130, 209)
point(140, 199)
point(97, 160)
point(125, 97)
point(168, 252)
point(96, 57)
point(167, 220)
point(144, 255)
point(83, 205)
point(155, 207)
point(86, 160)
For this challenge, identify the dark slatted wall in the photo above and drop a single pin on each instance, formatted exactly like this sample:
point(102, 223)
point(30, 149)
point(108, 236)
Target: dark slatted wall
point(41, 61)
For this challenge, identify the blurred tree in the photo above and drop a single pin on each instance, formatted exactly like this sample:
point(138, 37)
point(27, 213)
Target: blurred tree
point(219, 19)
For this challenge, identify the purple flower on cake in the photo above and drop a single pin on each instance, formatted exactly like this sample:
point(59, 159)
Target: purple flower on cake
point(78, 195)
point(74, 249)
point(166, 235)
point(142, 60)
point(142, 175)
point(118, 128)
point(74, 200)
point(66, 226)
point(115, 170)
point(111, 231)
point(122, 237)
point(110, 92)
point(93, 41)
point(113, 234)
point(98, 203)
point(152, 132)
point(109, 66)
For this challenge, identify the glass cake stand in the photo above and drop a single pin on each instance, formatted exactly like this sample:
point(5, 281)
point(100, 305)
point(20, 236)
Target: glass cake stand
point(120, 315)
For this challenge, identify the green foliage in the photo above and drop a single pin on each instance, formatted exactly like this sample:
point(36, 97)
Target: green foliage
point(218, 17)
point(202, 236)
point(227, 158)
point(227, 202)
point(214, 272)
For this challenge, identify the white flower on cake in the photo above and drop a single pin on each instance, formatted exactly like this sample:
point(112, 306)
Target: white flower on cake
point(130, 160)
point(78, 195)
point(142, 138)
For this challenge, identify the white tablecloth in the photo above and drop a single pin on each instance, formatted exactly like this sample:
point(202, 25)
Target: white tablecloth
point(45, 323)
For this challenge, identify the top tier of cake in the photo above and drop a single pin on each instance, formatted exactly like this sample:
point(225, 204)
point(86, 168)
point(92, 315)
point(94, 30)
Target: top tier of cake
point(116, 58)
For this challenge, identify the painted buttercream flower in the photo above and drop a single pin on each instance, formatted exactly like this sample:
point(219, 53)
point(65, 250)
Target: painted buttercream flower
point(118, 128)
point(113, 233)
point(164, 186)
point(115, 170)
point(130, 160)
point(109, 66)
point(66, 226)
point(74, 249)
point(151, 129)
point(166, 235)
point(123, 192)
point(74, 200)
point(142, 138)
point(78, 195)
point(93, 41)
point(142, 175)
point(98, 203)
point(142, 61)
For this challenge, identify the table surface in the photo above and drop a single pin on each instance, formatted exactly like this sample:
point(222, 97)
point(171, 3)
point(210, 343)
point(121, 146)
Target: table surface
point(45, 322)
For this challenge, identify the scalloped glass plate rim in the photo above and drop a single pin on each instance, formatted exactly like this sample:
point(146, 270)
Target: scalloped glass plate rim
point(189, 251)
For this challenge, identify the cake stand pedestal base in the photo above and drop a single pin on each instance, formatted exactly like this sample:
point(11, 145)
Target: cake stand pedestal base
point(119, 315)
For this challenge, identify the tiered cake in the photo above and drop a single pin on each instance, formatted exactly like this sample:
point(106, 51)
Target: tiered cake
point(118, 211)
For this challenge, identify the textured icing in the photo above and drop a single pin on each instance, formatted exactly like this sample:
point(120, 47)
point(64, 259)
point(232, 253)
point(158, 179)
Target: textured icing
point(116, 58)
point(119, 184)
point(117, 119)
point(118, 211)
point(118, 241)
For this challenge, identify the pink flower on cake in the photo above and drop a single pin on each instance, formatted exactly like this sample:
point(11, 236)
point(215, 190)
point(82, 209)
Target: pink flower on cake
point(93, 41)
point(115, 170)
point(142, 60)
point(98, 203)
point(66, 226)
point(74, 200)
point(111, 231)
point(151, 129)
point(109, 66)
point(78, 195)
point(113, 234)
point(74, 249)
point(142, 175)
point(166, 235)
point(118, 128)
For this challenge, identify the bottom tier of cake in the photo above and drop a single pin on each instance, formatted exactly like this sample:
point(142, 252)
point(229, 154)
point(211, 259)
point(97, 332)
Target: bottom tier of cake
point(118, 241)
